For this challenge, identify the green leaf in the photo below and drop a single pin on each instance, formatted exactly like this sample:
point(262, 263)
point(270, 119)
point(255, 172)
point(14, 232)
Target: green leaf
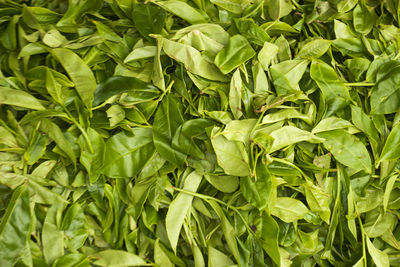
point(19, 98)
point(364, 18)
point(7, 138)
point(228, 231)
point(158, 76)
point(184, 138)
point(269, 238)
point(260, 80)
point(79, 72)
point(179, 208)
point(106, 33)
point(388, 190)
point(211, 30)
point(54, 38)
point(347, 149)
point(350, 46)
point(237, 52)
point(54, 88)
point(278, 8)
point(92, 161)
point(52, 236)
point(251, 31)
point(332, 123)
point(141, 53)
point(380, 258)
point(391, 149)
point(267, 54)
point(115, 114)
point(377, 224)
point(357, 67)
point(318, 201)
point(385, 97)
point(289, 135)
point(314, 49)
point(346, 5)
point(231, 155)
point(286, 114)
point(235, 95)
point(260, 191)
point(239, 130)
point(137, 90)
point(15, 226)
point(160, 258)
point(202, 42)
point(234, 6)
point(72, 260)
point(38, 16)
point(148, 19)
point(56, 134)
point(183, 10)
point(40, 73)
point(193, 60)
point(76, 11)
point(117, 258)
point(289, 209)
point(36, 149)
point(364, 123)
point(286, 75)
point(217, 258)
point(75, 226)
point(42, 194)
point(126, 153)
point(8, 37)
point(226, 184)
point(166, 121)
point(335, 93)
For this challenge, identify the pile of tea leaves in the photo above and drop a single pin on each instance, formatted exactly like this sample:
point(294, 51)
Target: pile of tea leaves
point(199, 133)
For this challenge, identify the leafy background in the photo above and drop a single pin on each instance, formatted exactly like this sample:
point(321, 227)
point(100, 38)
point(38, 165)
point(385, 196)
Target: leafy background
point(199, 133)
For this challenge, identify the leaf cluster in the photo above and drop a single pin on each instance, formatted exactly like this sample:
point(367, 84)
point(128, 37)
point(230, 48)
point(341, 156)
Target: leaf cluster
point(199, 133)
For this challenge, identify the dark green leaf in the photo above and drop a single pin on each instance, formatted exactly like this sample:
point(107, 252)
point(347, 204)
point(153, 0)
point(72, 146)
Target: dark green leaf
point(15, 226)
point(148, 19)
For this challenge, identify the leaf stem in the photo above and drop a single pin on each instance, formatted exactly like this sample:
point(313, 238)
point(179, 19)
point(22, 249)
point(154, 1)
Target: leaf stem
point(278, 101)
point(362, 236)
point(359, 84)
point(12, 149)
